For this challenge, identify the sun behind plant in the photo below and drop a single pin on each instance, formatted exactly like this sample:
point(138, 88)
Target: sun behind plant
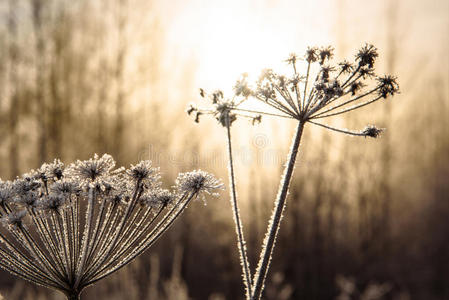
point(323, 90)
point(68, 227)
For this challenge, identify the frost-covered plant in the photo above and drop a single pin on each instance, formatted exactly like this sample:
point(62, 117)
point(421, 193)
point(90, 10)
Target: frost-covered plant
point(323, 90)
point(68, 227)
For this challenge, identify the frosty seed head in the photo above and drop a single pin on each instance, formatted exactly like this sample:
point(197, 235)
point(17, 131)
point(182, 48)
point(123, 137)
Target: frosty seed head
point(367, 56)
point(346, 67)
point(6, 192)
point(28, 200)
point(325, 90)
point(311, 54)
point(387, 86)
point(198, 182)
point(14, 219)
point(90, 207)
point(25, 185)
point(52, 170)
point(142, 172)
point(66, 187)
point(372, 131)
point(93, 168)
point(325, 53)
point(159, 198)
point(52, 202)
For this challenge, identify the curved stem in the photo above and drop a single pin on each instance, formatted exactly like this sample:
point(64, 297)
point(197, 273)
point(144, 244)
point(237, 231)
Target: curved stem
point(241, 244)
point(273, 227)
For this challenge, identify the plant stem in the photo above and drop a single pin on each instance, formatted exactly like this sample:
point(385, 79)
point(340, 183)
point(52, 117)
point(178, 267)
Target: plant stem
point(241, 244)
point(273, 226)
point(73, 295)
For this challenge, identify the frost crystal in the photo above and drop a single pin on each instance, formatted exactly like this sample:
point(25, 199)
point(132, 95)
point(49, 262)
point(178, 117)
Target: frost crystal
point(87, 220)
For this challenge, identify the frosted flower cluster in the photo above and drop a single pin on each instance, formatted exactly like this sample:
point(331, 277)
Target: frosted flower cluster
point(66, 227)
point(324, 89)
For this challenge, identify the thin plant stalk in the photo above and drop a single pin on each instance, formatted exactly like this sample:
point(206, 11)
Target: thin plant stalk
point(241, 244)
point(275, 220)
point(273, 90)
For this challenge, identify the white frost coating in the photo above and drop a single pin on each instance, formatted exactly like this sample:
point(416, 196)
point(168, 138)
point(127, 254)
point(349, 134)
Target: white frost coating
point(68, 227)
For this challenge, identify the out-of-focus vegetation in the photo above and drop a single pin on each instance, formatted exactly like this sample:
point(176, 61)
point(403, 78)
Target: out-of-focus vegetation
point(365, 219)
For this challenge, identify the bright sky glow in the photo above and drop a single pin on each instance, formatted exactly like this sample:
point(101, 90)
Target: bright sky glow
point(228, 38)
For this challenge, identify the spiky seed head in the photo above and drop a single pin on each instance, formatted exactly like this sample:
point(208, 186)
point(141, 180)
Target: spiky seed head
point(6, 192)
point(66, 187)
point(52, 202)
point(52, 170)
point(93, 168)
point(325, 72)
point(311, 54)
point(355, 87)
point(372, 131)
point(28, 200)
point(387, 86)
point(143, 171)
point(367, 56)
point(158, 198)
point(346, 67)
point(326, 53)
point(198, 182)
point(23, 186)
point(14, 219)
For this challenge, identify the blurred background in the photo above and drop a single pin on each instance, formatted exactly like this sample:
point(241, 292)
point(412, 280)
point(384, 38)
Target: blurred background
point(366, 219)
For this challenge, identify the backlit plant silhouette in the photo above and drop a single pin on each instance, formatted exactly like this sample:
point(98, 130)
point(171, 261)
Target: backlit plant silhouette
point(68, 227)
point(324, 90)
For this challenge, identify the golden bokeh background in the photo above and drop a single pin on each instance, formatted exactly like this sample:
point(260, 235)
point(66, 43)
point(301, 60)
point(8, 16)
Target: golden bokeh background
point(366, 219)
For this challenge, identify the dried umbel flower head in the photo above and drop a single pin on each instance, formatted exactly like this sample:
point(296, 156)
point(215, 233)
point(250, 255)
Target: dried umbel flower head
point(198, 182)
point(323, 90)
point(87, 220)
point(93, 168)
point(223, 109)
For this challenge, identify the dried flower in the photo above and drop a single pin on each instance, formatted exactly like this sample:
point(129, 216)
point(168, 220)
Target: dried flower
point(93, 168)
point(14, 219)
point(320, 92)
point(66, 187)
point(367, 56)
point(85, 224)
point(372, 131)
point(53, 170)
point(311, 54)
point(6, 192)
point(52, 202)
point(198, 182)
point(387, 86)
point(143, 172)
point(346, 67)
point(158, 198)
point(326, 53)
point(304, 99)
